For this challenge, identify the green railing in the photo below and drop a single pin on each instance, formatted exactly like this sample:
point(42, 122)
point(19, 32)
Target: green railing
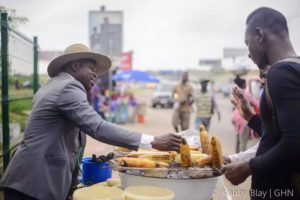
point(19, 82)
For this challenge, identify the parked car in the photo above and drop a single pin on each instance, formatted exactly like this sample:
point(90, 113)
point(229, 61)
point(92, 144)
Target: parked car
point(162, 95)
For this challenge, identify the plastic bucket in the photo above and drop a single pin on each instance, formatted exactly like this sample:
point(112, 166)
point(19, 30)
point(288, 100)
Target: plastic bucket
point(95, 172)
point(145, 192)
point(98, 192)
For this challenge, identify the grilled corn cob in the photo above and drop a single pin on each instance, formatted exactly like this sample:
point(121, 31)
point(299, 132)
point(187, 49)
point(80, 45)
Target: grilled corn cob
point(148, 153)
point(173, 154)
point(122, 149)
point(216, 153)
point(204, 161)
point(194, 148)
point(159, 156)
point(196, 152)
point(140, 162)
point(204, 140)
point(185, 154)
point(194, 158)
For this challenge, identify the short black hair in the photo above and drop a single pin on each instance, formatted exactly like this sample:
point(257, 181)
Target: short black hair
point(265, 17)
point(240, 82)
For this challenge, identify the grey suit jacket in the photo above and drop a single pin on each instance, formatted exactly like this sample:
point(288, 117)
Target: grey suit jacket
point(43, 164)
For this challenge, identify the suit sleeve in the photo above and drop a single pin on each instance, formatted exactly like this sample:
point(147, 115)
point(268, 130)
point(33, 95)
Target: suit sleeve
point(73, 105)
point(255, 124)
point(284, 90)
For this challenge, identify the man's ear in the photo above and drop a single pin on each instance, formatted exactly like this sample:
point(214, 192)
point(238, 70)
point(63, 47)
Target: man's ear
point(260, 34)
point(75, 66)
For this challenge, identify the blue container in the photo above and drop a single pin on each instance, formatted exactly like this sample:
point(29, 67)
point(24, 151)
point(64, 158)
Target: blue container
point(94, 172)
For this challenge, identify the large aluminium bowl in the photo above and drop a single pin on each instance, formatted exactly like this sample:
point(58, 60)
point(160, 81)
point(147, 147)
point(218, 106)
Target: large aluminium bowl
point(184, 189)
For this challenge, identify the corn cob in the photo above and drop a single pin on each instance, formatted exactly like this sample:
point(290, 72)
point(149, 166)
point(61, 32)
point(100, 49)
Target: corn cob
point(122, 149)
point(185, 154)
point(148, 153)
point(161, 164)
point(160, 156)
point(140, 163)
point(173, 154)
point(194, 148)
point(196, 152)
point(204, 140)
point(216, 153)
point(136, 162)
point(166, 159)
point(194, 158)
point(204, 161)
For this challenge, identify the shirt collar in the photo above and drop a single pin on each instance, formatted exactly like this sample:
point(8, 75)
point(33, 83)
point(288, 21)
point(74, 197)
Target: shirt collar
point(64, 73)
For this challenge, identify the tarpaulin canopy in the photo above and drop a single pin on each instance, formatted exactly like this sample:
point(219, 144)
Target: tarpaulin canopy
point(135, 75)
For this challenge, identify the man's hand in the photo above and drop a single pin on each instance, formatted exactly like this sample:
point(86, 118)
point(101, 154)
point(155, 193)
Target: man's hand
point(237, 172)
point(242, 104)
point(167, 142)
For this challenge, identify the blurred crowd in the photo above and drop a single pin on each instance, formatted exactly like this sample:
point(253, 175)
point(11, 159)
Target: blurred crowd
point(120, 107)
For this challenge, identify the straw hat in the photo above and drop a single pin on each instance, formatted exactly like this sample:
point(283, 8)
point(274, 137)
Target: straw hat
point(76, 52)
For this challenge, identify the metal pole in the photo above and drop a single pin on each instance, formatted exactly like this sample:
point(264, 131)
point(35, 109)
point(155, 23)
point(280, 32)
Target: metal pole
point(110, 46)
point(5, 97)
point(110, 96)
point(35, 65)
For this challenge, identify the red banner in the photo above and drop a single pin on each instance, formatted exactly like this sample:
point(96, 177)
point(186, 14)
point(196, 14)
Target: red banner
point(126, 61)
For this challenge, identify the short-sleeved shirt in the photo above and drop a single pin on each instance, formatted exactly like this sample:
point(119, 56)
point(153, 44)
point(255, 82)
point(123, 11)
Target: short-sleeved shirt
point(182, 92)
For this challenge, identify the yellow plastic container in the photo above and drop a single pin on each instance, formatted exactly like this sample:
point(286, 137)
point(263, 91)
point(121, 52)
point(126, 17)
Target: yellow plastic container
point(144, 192)
point(98, 192)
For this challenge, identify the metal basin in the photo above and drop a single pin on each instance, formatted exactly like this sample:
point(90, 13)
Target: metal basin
point(191, 189)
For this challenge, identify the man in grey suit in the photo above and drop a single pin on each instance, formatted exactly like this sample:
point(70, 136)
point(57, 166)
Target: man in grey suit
point(45, 162)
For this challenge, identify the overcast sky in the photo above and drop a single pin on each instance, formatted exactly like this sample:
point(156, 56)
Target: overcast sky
point(169, 34)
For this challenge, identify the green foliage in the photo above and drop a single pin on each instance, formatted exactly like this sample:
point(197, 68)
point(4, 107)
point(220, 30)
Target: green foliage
point(19, 118)
point(12, 17)
point(12, 79)
point(19, 112)
point(18, 107)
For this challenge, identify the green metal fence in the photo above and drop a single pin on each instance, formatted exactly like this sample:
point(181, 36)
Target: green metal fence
point(19, 82)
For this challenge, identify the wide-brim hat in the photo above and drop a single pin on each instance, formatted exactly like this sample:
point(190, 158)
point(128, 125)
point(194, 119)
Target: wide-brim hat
point(76, 52)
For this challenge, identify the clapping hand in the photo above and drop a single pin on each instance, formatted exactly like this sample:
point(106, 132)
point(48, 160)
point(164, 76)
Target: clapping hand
point(242, 104)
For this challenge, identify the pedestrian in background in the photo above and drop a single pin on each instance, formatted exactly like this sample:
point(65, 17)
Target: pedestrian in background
point(206, 106)
point(243, 132)
point(183, 96)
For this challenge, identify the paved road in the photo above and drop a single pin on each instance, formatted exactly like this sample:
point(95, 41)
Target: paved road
point(158, 121)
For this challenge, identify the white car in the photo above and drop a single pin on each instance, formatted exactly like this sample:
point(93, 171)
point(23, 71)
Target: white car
point(162, 95)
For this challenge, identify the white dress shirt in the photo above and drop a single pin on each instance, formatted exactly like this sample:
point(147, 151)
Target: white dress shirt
point(244, 155)
point(146, 141)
